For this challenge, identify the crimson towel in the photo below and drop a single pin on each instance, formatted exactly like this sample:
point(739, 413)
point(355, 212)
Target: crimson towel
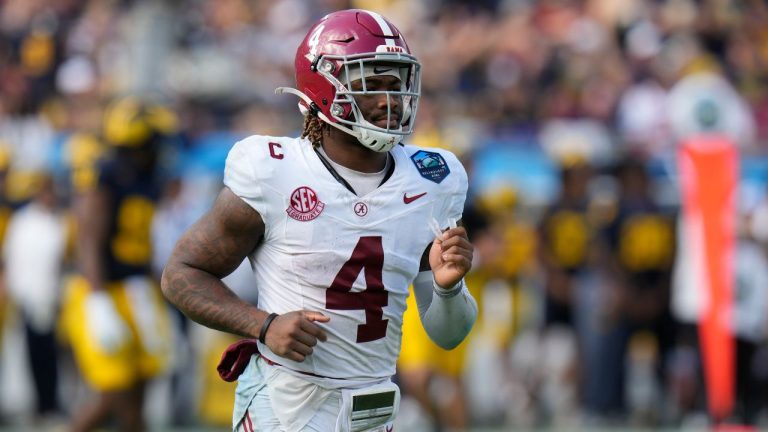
point(235, 359)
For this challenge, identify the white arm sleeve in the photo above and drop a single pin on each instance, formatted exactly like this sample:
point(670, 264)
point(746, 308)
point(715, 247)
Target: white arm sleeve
point(447, 315)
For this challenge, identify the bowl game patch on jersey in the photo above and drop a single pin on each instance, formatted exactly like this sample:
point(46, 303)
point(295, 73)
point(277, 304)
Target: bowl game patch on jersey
point(431, 165)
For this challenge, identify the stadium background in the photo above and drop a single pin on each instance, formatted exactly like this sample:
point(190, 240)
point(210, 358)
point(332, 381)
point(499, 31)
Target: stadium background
point(526, 92)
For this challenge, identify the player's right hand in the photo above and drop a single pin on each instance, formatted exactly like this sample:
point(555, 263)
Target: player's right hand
point(104, 322)
point(292, 335)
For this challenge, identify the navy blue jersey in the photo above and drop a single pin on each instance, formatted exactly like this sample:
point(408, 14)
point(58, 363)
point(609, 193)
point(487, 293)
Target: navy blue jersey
point(566, 234)
point(132, 196)
point(642, 237)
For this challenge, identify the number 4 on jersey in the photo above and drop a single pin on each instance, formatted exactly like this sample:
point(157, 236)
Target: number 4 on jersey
point(367, 256)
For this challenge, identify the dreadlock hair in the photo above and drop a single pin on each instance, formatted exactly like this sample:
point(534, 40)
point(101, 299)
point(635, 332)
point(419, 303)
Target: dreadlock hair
point(313, 129)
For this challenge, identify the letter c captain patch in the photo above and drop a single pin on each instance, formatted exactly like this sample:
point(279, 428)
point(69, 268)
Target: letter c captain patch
point(431, 165)
point(304, 205)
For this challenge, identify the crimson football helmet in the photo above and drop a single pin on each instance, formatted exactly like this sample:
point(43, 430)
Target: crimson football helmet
point(345, 46)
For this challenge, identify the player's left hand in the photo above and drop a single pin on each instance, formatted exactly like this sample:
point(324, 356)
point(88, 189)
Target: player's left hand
point(450, 257)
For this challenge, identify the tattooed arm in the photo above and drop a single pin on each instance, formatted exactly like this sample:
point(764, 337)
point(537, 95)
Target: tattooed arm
point(210, 250)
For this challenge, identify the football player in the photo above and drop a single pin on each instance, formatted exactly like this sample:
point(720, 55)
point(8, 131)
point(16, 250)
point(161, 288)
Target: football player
point(337, 224)
point(113, 311)
point(637, 247)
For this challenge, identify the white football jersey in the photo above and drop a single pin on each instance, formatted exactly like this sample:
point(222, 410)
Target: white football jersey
point(351, 257)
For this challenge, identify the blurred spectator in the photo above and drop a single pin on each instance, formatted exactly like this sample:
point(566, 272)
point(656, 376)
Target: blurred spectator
point(25, 130)
point(758, 222)
point(33, 252)
point(750, 319)
point(642, 118)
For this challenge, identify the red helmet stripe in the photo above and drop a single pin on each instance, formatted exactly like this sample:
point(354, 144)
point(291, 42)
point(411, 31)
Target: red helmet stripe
point(385, 29)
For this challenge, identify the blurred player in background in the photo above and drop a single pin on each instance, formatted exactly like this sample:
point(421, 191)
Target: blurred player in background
point(640, 245)
point(115, 318)
point(337, 225)
point(565, 237)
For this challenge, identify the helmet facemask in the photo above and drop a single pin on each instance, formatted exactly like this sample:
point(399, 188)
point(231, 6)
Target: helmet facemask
point(345, 109)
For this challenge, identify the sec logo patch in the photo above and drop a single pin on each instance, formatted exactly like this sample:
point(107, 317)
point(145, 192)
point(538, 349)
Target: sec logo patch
point(305, 205)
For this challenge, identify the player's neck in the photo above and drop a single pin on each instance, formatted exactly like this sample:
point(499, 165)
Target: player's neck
point(351, 154)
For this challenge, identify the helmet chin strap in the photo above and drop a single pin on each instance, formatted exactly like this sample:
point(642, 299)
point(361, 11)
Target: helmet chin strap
point(373, 139)
point(376, 141)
